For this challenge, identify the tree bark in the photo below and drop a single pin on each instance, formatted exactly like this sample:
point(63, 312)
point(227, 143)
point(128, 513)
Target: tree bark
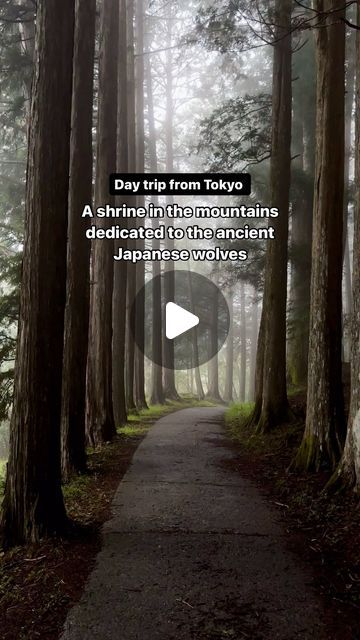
point(259, 373)
point(243, 359)
point(348, 471)
point(78, 251)
point(349, 103)
point(100, 415)
point(33, 505)
point(274, 401)
point(169, 355)
point(253, 347)
point(140, 168)
point(195, 347)
point(301, 240)
point(213, 392)
point(303, 170)
point(324, 431)
point(157, 392)
point(120, 268)
point(350, 47)
point(131, 270)
point(229, 365)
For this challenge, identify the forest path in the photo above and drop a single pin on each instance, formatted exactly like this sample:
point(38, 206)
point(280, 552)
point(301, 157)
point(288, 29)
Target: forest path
point(192, 550)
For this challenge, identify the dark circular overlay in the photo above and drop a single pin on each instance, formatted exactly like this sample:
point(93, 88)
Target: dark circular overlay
point(196, 294)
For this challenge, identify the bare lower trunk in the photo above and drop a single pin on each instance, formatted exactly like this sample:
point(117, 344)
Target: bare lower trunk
point(120, 268)
point(169, 354)
point(243, 355)
point(348, 472)
point(253, 347)
point(303, 169)
point(324, 432)
point(274, 408)
point(157, 392)
point(78, 255)
point(349, 103)
point(100, 416)
point(33, 505)
point(140, 168)
point(195, 347)
point(131, 270)
point(119, 324)
point(348, 303)
point(259, 373)
point(229, 372)
point(213, 392)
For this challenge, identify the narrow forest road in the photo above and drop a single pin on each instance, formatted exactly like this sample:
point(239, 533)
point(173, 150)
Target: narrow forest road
point(193, 551)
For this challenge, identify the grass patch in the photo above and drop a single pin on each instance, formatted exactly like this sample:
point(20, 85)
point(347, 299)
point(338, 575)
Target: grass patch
point(236, 423)
point(140, 422)
point(77, 488)
point(137, 427)
point(3, 464)
point(237, 413)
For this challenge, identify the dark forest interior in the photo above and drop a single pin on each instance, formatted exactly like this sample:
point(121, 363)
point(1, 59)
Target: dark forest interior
point(92, 88)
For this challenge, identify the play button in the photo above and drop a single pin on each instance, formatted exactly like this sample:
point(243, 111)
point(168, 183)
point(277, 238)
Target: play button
point(185, 312)
point(178, 321)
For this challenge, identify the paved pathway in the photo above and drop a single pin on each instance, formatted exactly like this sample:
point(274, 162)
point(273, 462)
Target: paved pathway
point(193, 552)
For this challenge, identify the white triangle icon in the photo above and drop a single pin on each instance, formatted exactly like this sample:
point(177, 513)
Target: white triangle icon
point(178, 321)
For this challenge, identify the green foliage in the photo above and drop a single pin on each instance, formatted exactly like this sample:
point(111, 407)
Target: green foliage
point(238, 413)
point(238, 133)
point(231, 25)
point(3, 464)
point(255, 442)
point(77, 487)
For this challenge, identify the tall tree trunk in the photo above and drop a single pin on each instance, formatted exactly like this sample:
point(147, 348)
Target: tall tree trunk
point(191, 374)
point(213, 392)
point(200, 393)
point(157, 392)
point(140, 168)
point(243, 359)
point(253, 419)
point(169, 354)
point(120, 268)
point(274, 402)
point(229, 366)
point(348, 471)
point(33, 505)
point(78, 252)
point(301, 240)
point(347, 277)
point(349, 103)
point(195, 347)
point(303, 171)
point(324, 432)
point(100, 415)
point(131, 270)
point(350, 47)
point(253, 347)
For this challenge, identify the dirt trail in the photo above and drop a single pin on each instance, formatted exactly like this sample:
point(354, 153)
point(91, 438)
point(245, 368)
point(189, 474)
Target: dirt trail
point(193, 551)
